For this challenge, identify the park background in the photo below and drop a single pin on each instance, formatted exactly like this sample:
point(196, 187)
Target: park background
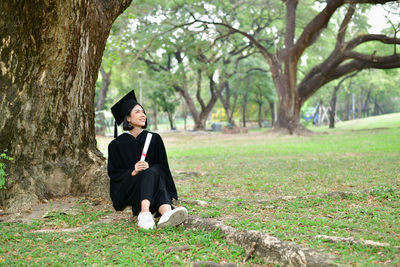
point(308, 157)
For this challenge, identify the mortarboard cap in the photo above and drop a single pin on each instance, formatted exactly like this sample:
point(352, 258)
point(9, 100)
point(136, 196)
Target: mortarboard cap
point(121, 109)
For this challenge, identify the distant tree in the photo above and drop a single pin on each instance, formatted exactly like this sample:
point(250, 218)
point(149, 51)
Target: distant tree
point(283, 45)
point(164, 98)
point(106, 80)
point(333, 102)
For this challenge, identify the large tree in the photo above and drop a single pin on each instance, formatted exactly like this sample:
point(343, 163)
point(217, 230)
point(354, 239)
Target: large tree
point(50, 54)
point(283, 44)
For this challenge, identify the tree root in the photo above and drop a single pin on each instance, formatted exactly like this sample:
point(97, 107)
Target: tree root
point(251, 252)
point(268, 248)
point(352, 240)
point(212, 264)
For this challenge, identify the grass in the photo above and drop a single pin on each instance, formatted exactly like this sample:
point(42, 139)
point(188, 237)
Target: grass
point(121, 243)
point(244, 178)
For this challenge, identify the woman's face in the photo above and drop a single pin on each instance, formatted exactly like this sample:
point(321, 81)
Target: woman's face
point(137, 118)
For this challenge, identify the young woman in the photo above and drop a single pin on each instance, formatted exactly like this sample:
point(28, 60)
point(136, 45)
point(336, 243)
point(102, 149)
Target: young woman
point(147, 185)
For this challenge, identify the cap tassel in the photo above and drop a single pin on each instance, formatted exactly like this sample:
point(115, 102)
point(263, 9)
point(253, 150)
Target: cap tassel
point(115, 129)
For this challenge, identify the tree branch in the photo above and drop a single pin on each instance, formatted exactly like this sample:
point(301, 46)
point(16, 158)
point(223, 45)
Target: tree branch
point(320, 21)
point(143, 49)
point(307, 86)
point(372, 58)
point(371, 37)
point(368, 1)
point(251, 38)
point(291, 6)
point(345, 23)
point(314, 27)
point(256, 69)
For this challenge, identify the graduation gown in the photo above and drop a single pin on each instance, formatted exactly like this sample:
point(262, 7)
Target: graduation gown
point(123, 153)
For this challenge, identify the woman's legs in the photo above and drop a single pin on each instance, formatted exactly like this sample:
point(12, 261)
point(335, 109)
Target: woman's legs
point(145, 205)
point(152, 194)
point(164, 208)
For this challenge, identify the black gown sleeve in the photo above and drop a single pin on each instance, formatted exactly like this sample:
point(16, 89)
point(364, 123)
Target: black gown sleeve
point(115, 170)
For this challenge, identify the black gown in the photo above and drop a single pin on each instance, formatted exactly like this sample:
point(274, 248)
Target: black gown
point(155, 183)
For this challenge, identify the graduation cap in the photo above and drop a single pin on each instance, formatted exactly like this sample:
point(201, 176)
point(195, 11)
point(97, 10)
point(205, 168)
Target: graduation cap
point(121, 109)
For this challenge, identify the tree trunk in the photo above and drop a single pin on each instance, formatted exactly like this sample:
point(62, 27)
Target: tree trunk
point(332, 110)
point(260, 119)
point(171, 120)
point(359, 106)
point(288, 119)
point(50, 55)
point(245, 98)
point(347, 107)
point(333, 104)
point(366, 107)
point(104, 88)
point(184, 117)
point(226, 103)
point(377, 109)
point(201, 118)
point(155, 120)
point(272, 107)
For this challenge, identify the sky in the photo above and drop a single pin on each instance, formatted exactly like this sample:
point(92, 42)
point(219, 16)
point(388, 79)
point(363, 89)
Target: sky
point(377, 20)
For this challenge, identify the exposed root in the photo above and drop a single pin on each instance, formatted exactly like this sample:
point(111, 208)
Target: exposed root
point(212, 264)
point(250, 252)
point(352, 240)
point(268, 248)
point(299, 130)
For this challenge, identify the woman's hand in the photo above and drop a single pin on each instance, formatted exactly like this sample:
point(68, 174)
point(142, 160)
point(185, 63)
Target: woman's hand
point(140, 166)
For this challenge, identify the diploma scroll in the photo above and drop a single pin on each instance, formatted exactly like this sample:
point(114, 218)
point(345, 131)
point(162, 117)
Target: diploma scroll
point(146, 146)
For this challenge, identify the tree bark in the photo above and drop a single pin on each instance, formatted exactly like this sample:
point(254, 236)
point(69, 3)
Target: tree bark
point(106, 77)
point(50, 54)
point(272, 107)
point(260, 115)
point(332, 111)
point(245, 98)
point(155, 119)
point(366, 107)
point(347, 107)
point(268, 248)
point(200, 118)
point(171, 120)
point(184, 117)
point(226, 103)
point(288, 119)
point(377, 108)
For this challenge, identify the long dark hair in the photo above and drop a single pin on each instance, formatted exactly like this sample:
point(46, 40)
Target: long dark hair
point(126, 125)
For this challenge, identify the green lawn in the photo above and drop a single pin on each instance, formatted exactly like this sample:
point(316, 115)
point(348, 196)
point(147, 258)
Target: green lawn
point(244, 178)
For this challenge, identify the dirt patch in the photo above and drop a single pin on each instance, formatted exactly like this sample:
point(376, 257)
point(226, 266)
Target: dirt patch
point(68, 205)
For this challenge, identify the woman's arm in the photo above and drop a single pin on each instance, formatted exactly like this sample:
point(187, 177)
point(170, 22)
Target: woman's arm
point(114, 169)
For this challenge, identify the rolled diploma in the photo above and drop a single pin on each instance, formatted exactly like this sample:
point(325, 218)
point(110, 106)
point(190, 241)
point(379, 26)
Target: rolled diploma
point(146, 146)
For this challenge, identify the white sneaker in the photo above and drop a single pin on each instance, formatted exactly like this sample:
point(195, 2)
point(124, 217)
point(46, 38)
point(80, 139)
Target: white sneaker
point(146, 221)
point(173, 217)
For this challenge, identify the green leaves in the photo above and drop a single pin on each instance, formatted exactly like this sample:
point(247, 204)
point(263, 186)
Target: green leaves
point(3, 174)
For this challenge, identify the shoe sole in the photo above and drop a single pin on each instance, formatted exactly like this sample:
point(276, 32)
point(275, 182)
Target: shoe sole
point(176, 218)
